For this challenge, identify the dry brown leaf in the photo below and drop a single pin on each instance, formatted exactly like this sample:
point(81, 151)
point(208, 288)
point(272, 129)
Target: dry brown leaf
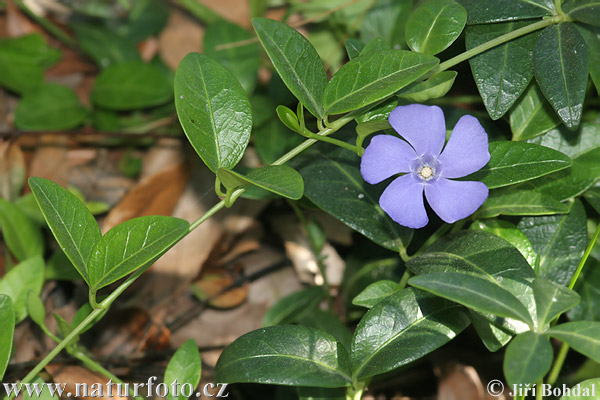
point(460, 382)
point(149, 48)
point(12, 170)
point(73, 375)
point(155, 195)
point(17, 24)
point(181, 36)
point(211, 288)
point(237, 11)
point(50, 159)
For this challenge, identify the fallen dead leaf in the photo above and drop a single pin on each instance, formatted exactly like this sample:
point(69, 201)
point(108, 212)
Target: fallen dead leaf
point(74, 375)
point(211, 288)
point(460, 382)
point(12, 170)
point(237, 11)
point(181, 36)
point(50, 159)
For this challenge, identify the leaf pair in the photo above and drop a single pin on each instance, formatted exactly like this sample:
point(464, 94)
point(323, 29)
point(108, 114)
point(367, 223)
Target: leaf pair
point(102, 260)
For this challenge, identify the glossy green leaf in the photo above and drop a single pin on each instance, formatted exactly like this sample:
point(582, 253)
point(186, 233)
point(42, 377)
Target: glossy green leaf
point(296, 61)
point(402, 328)
point(515, 162)
point(272, 140)
point(333, 182)
point(493, 337)
point(484, 255)
point(559, 241)
point(185, 368)
point(145, 18)
point(25, 277)
point(285, 355)
point(50, 107)
point(485, 11)
point(21, 234)
point(503, 73)
point(326, 322)
point(131, 85)
point(70, 221)
point(353, 47)
point(592, 41)
point(433, 88)
point(131, 245)
point(243, 61)
point(372, 77)
point(582, 336)
point(528, 359)
point(476, 293)
point(552, 300)
point(377, 45)
point(588, 287)
point(379, 113)
point(435, 25)
point(23, 60)
point(7, 320)
point(376, 292)
point(288, 118)
point(586, 390)
point(103, 45)
point(510, 233)
point(587, 11)
point(592, 196)
point(213, 110)
point(278, 179)
point(516, 201)
point(561, 70)
point(386, 19)
point(532, 115)
point(291, 307)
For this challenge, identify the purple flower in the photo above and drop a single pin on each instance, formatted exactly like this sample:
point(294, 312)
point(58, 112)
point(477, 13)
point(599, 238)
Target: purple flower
point(426, 167)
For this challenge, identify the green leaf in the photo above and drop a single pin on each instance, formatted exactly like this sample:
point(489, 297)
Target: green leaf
point(293, 306)
point(386, 19)
point(517, 201)
point(7, 320)
point(587, 11)
point(552, 300)
point(402, 328)
point(45, 391)
point(70, 221)
point(103, 45)
point(485, 11)
point(35, 309)
point(486, 256)
point(559, 241)
point(333, 182)
point(588, 287)
point(582, 336)
point(132, 245)
point(561, 70)
point(25, 277)
point(285, 355)
point(532, 115)
point(328, 323)
point(377, 45)
point(50, 107)
point(379, 113)
point(435, 25)
point(476, 293)
point(296, 62)
point(492, 336)
point(309, 393)
point(592, 41)
point(145, 18)
point(372, 77)
point(584, 390)
point(185, 368)
point(433, 88)
point(510, 233)
point(272, 140)
point(528, 359)
point(353, 47)
point(376, 292)
point(131, 85)
point(515, 162)
point(23, 60)
point(503, 73)
point(213, 110)
point(592, 196)
point(243, 61)
point(278, 179)
point(22, 235)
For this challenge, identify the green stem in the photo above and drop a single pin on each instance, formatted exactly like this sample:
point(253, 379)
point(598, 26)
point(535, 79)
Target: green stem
point(340, 143)
point(588, 250)
point(404, 279)
point(442, 230)
point(47, 25)
point(539, 393)
point(496, 42)
point(558, 363)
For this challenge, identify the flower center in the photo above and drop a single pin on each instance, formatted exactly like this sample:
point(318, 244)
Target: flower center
point(426, 172)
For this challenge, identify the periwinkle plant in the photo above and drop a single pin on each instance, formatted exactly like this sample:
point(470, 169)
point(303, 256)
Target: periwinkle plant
point(511, 278)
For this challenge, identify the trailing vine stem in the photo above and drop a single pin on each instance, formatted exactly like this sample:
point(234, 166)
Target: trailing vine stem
point(330, 129)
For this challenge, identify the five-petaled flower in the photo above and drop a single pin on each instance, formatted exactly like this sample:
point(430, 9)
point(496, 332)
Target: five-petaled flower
point(425, 167)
